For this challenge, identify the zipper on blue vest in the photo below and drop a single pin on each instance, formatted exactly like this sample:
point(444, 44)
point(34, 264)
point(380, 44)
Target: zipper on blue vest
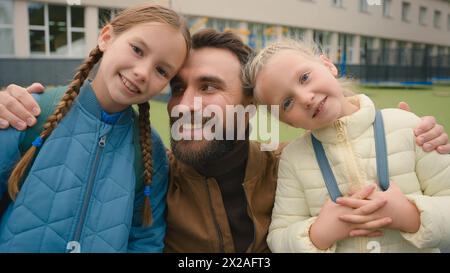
point(87, 197)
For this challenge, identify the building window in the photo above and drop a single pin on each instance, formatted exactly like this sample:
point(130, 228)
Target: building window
point(367, 51)
point(56, 30)
point(387, 4)
point(260, 35)
point(196, 23)
point(6, 28)
point(440, 58)
point(423, 16)
point(345, 48)
point(418, 51)
point(448, 22)
point(256, 38)
point(222, 25)
point(363, 7)
point(323, 39)
point(404, 55)
point(406, 10)
point(105, 16)
point(437, 19)
point(337, 3)
point(387, 54)
point(76, 33)
point(295, 33)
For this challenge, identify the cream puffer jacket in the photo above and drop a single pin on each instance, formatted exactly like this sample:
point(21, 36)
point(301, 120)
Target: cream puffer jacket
point(349, 145)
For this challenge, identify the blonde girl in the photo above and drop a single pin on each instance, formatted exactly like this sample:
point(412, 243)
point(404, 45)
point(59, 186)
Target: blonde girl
point(406, 213)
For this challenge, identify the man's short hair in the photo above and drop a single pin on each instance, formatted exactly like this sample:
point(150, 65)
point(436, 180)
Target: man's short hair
point(225, 40)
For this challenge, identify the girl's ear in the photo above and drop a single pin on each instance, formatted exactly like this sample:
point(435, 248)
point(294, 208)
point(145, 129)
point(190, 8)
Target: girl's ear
point(329, 64)
point(105, 37)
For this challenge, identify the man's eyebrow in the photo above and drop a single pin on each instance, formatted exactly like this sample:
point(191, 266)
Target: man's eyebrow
point(212, 79)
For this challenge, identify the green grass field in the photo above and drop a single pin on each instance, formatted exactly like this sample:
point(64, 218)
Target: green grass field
point(434, 101)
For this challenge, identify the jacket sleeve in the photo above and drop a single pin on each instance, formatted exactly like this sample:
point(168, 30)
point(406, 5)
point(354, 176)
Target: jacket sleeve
point(433, 172)
point(291, 220)
point(9, 155)
point(151, 239)
point(11, 141)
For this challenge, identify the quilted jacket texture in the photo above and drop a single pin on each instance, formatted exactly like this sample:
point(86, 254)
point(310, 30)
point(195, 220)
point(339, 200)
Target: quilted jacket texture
point(349, 145)
point(80, 192)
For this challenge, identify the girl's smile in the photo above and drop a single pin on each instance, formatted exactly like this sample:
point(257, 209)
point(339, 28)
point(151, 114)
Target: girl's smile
point(320, 108)
point(129, 86)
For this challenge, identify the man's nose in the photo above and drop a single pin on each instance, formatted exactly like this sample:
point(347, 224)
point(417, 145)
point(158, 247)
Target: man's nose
point(190, 98)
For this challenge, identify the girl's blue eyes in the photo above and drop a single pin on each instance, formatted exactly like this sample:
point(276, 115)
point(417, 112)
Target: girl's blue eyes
point(287, 103)
point(304, 77)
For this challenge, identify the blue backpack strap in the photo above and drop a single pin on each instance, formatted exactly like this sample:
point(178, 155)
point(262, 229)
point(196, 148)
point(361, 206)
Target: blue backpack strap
point(381, 155)
point(47, 102)
point(381, 151)
point(325, 169)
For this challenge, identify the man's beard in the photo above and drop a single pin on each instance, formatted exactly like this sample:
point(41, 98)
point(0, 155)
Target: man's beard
point(198, 152)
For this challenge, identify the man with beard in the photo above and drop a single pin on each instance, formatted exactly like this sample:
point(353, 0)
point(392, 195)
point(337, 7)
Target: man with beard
point(221, 192)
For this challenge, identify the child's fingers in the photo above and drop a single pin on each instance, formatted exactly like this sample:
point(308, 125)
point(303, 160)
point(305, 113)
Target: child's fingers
point(404, 106)
point(375, 224)
point(351, 202)
point(426, 124)
point(371, 207)
point(364, 192)
point(432, 144)
point(431, 134)
point(355, 219)
point(444, 149)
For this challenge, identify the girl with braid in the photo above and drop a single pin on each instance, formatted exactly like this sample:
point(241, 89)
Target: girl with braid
point(82, 185)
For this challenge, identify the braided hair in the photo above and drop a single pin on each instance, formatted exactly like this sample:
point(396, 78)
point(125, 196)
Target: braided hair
point(125, 20)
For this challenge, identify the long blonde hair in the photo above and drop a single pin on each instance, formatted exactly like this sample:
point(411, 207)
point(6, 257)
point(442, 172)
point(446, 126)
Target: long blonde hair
point(124, 21)
point(308, 50)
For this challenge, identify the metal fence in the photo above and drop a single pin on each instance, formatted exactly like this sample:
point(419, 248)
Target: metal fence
point(400, 65)
point(46, 71)
point(393, 65)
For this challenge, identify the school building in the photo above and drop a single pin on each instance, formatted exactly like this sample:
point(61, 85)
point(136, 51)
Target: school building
point(372, 40)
